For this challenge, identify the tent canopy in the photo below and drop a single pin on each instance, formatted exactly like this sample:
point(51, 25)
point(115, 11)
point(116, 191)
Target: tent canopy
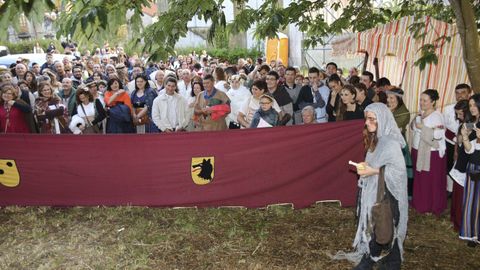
point(397, 50)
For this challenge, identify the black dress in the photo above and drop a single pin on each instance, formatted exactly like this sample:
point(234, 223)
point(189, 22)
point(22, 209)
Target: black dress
point(352, 115)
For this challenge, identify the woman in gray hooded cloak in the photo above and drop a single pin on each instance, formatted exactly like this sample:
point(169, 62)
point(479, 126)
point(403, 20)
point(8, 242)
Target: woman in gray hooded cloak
point(383, 143)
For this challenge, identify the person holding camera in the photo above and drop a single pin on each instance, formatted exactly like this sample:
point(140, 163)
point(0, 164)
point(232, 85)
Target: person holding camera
point(470, 137)
point(51, 114)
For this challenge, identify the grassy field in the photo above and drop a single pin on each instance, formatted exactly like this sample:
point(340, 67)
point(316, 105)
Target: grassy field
point(155, 238)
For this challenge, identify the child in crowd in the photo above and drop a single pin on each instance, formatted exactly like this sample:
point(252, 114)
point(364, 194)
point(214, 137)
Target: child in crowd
point(266, 116)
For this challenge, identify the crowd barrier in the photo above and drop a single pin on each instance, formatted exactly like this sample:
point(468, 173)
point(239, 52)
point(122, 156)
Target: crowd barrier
point(252, 168)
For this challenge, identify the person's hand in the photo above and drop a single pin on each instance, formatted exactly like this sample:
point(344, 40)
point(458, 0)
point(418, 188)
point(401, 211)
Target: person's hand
point(419, 124)
point(177, 129)
point(121, 91)
point(314, 87)
point(465, 132)
point(11, 102)
point(477, 130)
point(206, 111)
point(363, 169)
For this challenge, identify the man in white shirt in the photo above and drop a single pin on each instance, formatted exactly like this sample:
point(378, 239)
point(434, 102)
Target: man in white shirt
point(169, 109)
point(185, 85)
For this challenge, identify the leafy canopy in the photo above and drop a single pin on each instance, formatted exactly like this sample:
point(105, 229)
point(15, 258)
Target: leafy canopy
point(100, 20)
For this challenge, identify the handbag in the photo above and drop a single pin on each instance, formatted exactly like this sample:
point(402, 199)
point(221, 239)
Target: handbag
point(382, 216)
point(91, 128)
point(142, 120)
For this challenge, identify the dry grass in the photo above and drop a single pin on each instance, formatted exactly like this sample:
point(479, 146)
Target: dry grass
point(153, 238)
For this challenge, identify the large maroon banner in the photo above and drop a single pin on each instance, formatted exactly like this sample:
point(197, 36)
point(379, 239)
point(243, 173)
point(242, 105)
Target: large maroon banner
point(251, 168)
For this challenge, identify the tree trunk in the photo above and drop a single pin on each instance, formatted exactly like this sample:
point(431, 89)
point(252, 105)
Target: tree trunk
point(467, 28)
point(238, 40)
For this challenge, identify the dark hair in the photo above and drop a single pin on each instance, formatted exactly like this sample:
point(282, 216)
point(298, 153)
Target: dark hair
point(335, 78)
point(77, 66)
point(273, 73)
point(260, 84)
point(463, 86)
point(370, 139)
point(463, 106)
point(209, 77)
point(332, 64)
point(314, 70)
point(360, 87)
point(83, 91)
point(369, 74)
point(170, 79)
point(145, 78)
point(33, 85)
point(354, 80)
point(290, 68)
point(111, 81)
point(399, 91)
point(476, 99)
point(342, 108)
point(192, 93)
point(220, 74)
point(264, 67)
point(197, 66)
point(433, 94)
point(382, 82)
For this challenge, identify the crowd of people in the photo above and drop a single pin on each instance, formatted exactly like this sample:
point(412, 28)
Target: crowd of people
point(114, 93)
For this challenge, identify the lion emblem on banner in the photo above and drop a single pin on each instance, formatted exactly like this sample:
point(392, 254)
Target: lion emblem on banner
point(202, 170)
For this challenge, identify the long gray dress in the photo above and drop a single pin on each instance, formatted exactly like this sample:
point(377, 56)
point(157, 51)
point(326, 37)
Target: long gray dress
point(388, 152)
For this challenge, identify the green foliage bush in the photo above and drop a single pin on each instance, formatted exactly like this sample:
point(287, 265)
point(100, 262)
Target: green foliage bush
point(26, 46)
point(229, 54)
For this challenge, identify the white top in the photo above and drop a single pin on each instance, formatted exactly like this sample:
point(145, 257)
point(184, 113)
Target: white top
point(451, 122)
point(237, 98)
point(322, 112)
point(172, 110)
point(162, 111)
point(89, 112)
point(434, 120)
point(184, 89)
point(220, 85)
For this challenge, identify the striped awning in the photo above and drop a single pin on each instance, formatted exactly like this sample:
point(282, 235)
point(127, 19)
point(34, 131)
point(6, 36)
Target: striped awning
point(397, 50)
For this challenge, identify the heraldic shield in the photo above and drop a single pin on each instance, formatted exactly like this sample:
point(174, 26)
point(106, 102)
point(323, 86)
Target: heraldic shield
point(202, 169)
point(9, 175)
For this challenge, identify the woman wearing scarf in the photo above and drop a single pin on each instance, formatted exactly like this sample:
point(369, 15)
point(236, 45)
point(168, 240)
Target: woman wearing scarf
point(402, 118)
point(383, 143)
point(52, 116)
point(266, 116)
point(238, 94)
